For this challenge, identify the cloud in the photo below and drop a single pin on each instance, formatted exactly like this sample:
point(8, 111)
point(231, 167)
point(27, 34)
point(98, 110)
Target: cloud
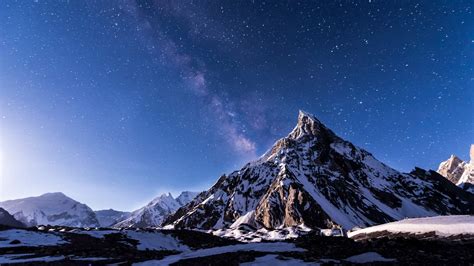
point(192, 71)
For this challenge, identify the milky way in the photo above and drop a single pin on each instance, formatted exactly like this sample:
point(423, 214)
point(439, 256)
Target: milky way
point(141, 97)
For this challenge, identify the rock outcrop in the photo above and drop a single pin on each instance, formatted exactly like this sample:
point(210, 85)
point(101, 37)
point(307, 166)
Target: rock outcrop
point(452, 169)
point(8, 219)
point(459, 172)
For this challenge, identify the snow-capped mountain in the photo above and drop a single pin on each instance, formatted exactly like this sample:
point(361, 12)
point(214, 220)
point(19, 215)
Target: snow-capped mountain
point(110, 217)
point(51, 208)
point(459, 172)
point(316, 179)
point(185, 197)
point(153, 214)
point(8, 220)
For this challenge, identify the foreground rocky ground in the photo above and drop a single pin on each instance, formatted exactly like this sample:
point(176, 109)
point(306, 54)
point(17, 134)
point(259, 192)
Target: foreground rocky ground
point(69, 246)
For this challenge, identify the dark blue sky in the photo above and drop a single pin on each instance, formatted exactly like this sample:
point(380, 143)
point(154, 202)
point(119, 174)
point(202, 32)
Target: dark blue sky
point(113, 102)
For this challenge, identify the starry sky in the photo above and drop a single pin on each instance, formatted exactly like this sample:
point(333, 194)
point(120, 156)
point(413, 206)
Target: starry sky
point(114, 102)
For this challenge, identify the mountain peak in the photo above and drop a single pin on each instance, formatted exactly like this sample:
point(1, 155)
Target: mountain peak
point(307, 124)
point(454, 158)
point(162, 199)
point(166, 195)
point(303, 116)
point(51, 208)
point(54, 196)
point(452, 168)
point(155, 211)
point(59, 194)
point(459, 172)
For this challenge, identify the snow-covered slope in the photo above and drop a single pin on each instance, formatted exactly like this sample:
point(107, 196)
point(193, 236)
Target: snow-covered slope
point(153, 214)
point(314, 178)
point(110, 217)
point(51, 208)
point(441, 225)
point(459, 172)
point(8, 220)
point(28, 238)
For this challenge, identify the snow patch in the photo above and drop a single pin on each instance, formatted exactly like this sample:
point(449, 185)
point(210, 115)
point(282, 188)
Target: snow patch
point(259, 247)
point(16, 258)
point(29, 238)
point(442, 225)
point(156, 241)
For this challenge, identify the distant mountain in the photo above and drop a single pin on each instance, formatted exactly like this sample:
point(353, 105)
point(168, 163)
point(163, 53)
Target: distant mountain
point(459, 172)
point(107, 218)
point(314, 178)
point(51, 208)
point(8, 220)
point(153, 214)
point(185, 197)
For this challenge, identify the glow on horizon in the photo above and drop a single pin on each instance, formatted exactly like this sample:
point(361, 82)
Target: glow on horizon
point(48, 163)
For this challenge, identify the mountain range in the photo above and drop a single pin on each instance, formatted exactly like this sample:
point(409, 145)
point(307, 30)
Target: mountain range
point(59, 209)
point(459, 172)
point(153, 214)
point(314, 178)
point(311, 178)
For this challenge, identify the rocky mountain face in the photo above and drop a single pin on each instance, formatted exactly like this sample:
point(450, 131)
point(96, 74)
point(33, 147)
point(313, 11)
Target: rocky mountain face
point(110, 217)
point(316, 179)
point(153, 214)
point(452, 169)
point(52, 209)
point(8, 220)
point(459, 172)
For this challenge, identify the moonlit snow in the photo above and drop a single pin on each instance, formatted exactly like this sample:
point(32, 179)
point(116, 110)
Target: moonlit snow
point(262, 247)
point(29, 238)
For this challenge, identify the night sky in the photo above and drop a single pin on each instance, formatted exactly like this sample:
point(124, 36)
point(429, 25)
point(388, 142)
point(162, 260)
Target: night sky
point(114, 102)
